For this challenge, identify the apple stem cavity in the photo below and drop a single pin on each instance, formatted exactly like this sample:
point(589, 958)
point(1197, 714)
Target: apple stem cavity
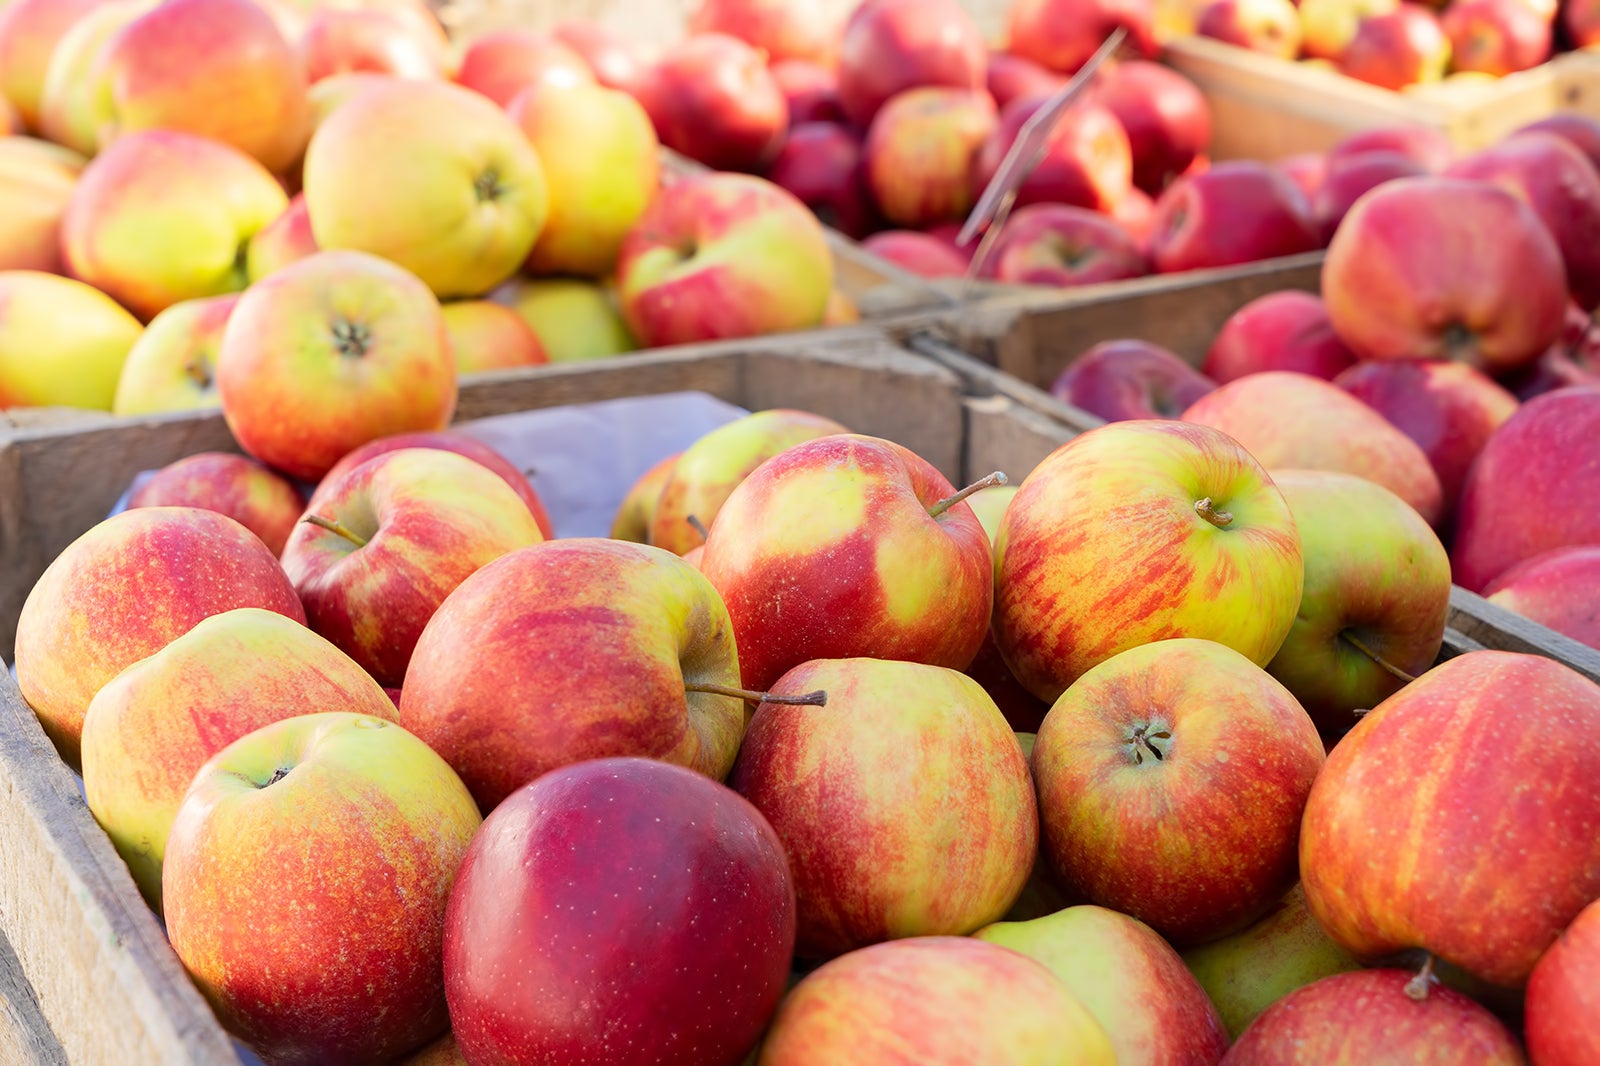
point(333, 526)
point(277, 775)
point(1205, 509)
point(1384, 664)
point(989, 482)
point(698, 526)
point(198, 372)
point(1144, 740)
point(487, 186)
point(818, 698)
point(1417, 988)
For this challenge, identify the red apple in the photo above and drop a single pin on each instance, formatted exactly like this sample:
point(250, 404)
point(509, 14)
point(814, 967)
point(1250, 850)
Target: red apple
point(502, 63)
point(1136, 213)
point(1171, 781)
point(889, 46)
point(287, 239)
point(782, 29)
point(487, 336)
point(712, 98)
point(1496, 37)
point(1564, 994)
point(1429, 268)
point(1235, 212)
point(1087, 161)
point(922, 254)
point(1349, 178)
point(1529, 492)
point(613, 60)
point(1053, 244)
point(1449, 409)
point(379, 40)
point(1286, 330)
point(919, 154)
point(1306, 170)
point(812, 91)
point(1402, 47)
point(1556, 589)
point(1371, 1016)
point(29, 31)
point(1166, 117)
point(821, 164)
point(1063, 34)
point(1271, 27)
point(1481, 855)
point(619, 903)
point(1583, 131)
point(1010, 77)
point(234, 485)
point(1119, 380)
point(1563, 188)
point(1430, 148)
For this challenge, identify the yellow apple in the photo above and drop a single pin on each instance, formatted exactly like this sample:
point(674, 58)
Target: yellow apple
point(488, 336)
point(574, 319)
point(36, 181)
point(75, 103)
point(62, 343)
point(173, 364)
point(29, 33)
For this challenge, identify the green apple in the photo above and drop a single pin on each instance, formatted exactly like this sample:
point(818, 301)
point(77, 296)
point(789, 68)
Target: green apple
point(574, 319)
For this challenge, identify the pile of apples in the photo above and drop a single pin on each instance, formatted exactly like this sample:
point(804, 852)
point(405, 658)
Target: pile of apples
point(1451, 355)
point(159, 157)
point(1401, 44)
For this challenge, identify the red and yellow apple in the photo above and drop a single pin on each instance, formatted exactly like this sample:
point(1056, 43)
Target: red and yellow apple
point(1328, 26)
point(1087, 159)
point(782, 29)
point(1271, 27)
point(502, 63)
point(1555, 589)
point(919, 153)
point(376, 39)
point(75, 99)
point(36, 183)
point(638, 508)
point(574, 319)
point(234, 485)
point(1496, 37)
point(488, 336)
point(286, 239)
point(1062, 245)
point(29, 33)
point(173, 364)
point(1394, 49)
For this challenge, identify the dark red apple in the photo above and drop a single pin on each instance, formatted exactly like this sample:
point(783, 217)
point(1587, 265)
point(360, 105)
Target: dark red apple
point(1496, 37)
point(712, 98)
point(619, 904)
point(1127, 379)
point(1053, 244)
point(812, 91)
point(821, 164)
point(1239, 211)
point(1351, 177)
point(1010, 77)
point(921, 253)
point(1166, 118)
point(1581, 20)
point(893, 45)
point(1286, 330)
point(1062, 34)
point(1582, 130)
point(1087, 161)
point(1430, 148)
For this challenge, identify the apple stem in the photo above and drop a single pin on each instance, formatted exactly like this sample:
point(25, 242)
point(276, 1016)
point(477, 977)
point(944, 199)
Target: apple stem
point(333, 526)
point(1417, 988)
point(1220, 519)
point(818, 698)
point(277, 775)
point(698, 526)
point(996, 478)
point(1388, 667)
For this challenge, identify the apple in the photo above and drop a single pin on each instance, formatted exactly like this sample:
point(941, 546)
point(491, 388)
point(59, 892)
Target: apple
point(384, 544)
point(1374, 1016)
point(931, 1000)
point(1497, 37)
point(708, 471)
point(575, 319)
point(337, 41)
point(488, 336)
point(1271, 27)
point(29, 32)
point(1137, 531)
point(1171, 780)
point(822, 165)
point(1087, 160)
point(1287, 330)
point(1166, 117)
point(10, 121)
point(62, 343)
point(889, 46)
point(713, 99)
point(124, 590)
point(1580, 130)
point(286, 239)
point(782, 29)
point(1555, 589)
point(614, 61)
point(1293, 421)
point(633, 659)
point(1348, 178)
point(347, 829)
point(619, 903)
point(904, 804)
point(849, 546)
point(1136, 213)
point(1010, 77)
point(1235, 212)
point(153, 726)
point(465, 194)
point(329, 353)
point(1056, 244)
point(1525, 495)
point(234, 485)
point(207, 199)
point(172, 366)
point(75, 101)
point(1430, 148)
point(1563, 188)
point(1131, 980)
point(450, 441)
point(1306, 170)
point(1406, 46)
point(1449, 409)
point(1128, 379)
point(598, 194)
point(36, 183)
point(1430, 268)
point(502, 63)
point(719, 256)
point(1492, 785)
point(1246, 972)
point(442, 1052)
point(1561, 995)
point(920, 253)
point(1328, 26)
point(169, 68)
point(1063, 34)
point(811, 90)
point(638, 508)
point(919, 153)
